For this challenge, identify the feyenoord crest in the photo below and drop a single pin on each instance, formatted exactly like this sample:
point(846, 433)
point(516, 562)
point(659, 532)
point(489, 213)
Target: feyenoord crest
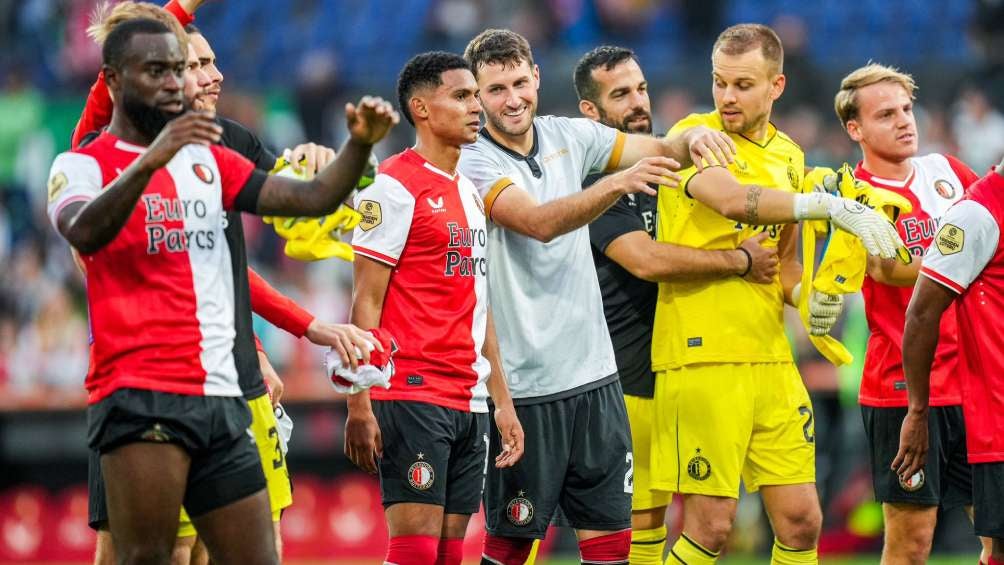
point(520, 510)
point(420, 474)
point(914, 483)
point(204, 173)
point(699, 468)
point(944, 189)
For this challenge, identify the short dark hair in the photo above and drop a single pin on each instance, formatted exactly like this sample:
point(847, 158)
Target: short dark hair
point(606, 56)
point(113, 52)
point(191, 28)
point(424, 70)
point(742, 38)
point(498, 46)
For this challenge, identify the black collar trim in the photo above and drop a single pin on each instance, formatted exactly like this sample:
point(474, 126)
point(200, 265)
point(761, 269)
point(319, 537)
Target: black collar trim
point(533, 150)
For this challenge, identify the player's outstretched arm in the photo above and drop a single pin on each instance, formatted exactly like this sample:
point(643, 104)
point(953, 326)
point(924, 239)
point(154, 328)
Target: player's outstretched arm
point(368, 123)
point(89, 227)
point(515, 209)
point(693, 146)
point(920, 339)
point(508, 424)
point(657, 261)
point(716, 188)
point(363, 441)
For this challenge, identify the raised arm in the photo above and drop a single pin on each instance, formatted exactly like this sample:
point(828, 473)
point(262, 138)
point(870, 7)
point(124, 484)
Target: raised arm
point(692, 146)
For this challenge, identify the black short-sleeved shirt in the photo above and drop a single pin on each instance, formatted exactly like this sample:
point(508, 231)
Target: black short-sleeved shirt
point(628, 302)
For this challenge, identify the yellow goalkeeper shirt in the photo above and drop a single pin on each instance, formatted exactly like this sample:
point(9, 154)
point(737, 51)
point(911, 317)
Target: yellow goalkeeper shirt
point(726, 320)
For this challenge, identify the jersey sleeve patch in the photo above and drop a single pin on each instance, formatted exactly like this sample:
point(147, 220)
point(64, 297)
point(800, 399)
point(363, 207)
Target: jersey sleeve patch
point(950, 239)
point(372, 214)
point(74, 177)
point(962, 247)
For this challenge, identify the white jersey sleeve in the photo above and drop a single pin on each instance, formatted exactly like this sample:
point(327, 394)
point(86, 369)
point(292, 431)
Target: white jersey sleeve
point(74, 177)
point(964, 244)
point(601, 145)
point(387, 209)
point(489, 175)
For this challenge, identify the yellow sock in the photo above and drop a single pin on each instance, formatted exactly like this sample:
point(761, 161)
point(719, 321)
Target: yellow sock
point(784, 555)
point(532, 558)
point(688, 552)
point(647, 546)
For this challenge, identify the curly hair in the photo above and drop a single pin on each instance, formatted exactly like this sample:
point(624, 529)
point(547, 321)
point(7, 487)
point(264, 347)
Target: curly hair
point(422, 71)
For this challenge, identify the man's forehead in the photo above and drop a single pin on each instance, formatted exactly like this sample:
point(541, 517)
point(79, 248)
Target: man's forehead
point(748, 64)
point(491, 73)
point(882, 94)
point(454, 79)
point(146, 47)
point(621, 74)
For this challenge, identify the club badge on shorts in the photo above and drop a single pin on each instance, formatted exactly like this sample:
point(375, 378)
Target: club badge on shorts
point(699, 468)
point(914, 483)
point(420, 474)
point(520, 510)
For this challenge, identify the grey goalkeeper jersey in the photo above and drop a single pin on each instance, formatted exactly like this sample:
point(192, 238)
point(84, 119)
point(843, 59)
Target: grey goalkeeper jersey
point(545, 297)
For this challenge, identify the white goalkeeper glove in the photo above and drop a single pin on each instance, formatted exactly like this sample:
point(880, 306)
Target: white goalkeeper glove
point(876, 233)
point(824, 309)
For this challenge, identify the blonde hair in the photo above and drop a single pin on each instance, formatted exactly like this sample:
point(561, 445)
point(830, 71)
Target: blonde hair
point(743, 38)
point(845, 103)
point(107, 16)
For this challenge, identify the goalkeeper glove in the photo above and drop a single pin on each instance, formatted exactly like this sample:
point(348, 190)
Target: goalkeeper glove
point(876, 233)
point(824, 309)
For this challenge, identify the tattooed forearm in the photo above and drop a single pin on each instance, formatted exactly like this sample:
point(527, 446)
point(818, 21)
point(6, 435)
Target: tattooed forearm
point(753, 205)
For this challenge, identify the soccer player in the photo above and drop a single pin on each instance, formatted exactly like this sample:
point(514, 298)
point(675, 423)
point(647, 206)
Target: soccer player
point(143, 205)
point(558, 355)
point(729, 402)
point(266, 301)
point(875, 106)
point(421, 274)
point(613, 91)
point(964, 266)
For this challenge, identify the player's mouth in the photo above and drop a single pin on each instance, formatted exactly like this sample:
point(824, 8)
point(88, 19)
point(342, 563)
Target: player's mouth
point(172, 106)
point(474, 125)
point(907, 137)
point(515, 114)
point(731, 114)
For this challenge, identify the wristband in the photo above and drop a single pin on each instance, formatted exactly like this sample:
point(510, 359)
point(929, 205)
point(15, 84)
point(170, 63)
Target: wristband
point(749, 262)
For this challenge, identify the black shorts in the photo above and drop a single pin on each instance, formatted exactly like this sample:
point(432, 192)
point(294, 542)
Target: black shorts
point(225, 465)
point(947, 478)
point(988, 492)
point(578, 456)
point(432, 455)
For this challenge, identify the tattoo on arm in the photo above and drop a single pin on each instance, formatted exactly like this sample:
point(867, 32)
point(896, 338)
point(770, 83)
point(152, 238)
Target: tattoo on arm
point(753, 205)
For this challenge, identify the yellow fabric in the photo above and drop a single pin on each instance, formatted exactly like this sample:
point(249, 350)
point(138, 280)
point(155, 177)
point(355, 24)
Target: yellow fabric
point(639, 411)
point(273, 463)
point(717, 423)
point(784, 555)
point(647, 546)
point(314, 239)
point(843, 267)
point(725, 320)
point(689, 552)
point(532, 558)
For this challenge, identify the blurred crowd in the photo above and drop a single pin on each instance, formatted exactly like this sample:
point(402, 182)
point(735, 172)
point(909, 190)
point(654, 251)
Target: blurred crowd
point(291, 66)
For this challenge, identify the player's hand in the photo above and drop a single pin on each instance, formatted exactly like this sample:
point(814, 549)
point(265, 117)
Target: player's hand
point(913, 445)
point(191, 127)
point(370, 121)
point(763, 260)
point(272, 380)
point(313, 158)
point(876, 232)
point(512, 436)
point(343, 338)
point(824, 309)
point(363, 441)
point(708, 146)
point(648, 171)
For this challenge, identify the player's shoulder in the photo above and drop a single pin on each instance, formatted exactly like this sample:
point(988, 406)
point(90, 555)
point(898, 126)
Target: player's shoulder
point(707, 119)
point(787, 143)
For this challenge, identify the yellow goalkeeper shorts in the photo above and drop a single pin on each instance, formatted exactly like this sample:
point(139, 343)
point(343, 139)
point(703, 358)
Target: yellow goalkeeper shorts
point(717, 423)
point(640, 411)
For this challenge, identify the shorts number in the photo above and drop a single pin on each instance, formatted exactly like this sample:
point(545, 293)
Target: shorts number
point(629, 474)
point(277, 463)
point(807, 428)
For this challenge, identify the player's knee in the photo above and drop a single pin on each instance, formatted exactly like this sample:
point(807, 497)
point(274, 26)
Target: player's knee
point(800, 529)
point(611, 548)
point(506, 551)
point(412, 550)
point(908, 545)
point(712, 531)
point(147, 553)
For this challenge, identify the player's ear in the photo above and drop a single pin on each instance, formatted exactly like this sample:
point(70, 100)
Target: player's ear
point(588, 109)
point(417, 107)
point(111, 76)
point(854, 130)
point(536, 75)
point(777, 86)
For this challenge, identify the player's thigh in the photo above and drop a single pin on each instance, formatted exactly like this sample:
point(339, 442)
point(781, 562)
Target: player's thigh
point(273, 462)
point(782, 448)
point(417, 439)
point(640, 413)
point(241, 532)
point(988, 491)
point(703, 420)
point(908, 527)
point(598, 485)
point(794, 512)
point(414, 519)
point(882, 427)
point(104, 551)
point(468, 464)
point(521, 500)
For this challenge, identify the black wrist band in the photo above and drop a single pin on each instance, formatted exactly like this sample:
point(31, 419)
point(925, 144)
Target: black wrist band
point(749, 262)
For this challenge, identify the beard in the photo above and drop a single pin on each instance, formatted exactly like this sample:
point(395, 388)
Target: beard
point(625, 123)
point(499, 123)
point(148, 120)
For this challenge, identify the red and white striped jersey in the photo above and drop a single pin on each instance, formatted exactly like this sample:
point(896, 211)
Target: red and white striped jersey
point(967, 257)
point(160, 295)
point(936, 183)
point(429, 226)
